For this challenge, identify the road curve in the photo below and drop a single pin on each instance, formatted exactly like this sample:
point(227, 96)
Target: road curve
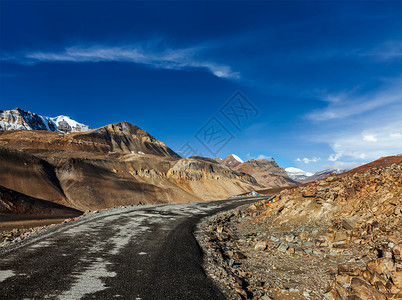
point(146, 252)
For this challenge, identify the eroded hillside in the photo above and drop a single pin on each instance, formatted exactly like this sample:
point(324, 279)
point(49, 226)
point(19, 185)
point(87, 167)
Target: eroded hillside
point(119, 164)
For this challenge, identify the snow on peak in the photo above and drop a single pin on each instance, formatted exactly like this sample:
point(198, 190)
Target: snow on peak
point(18, 119)
point(297, 174)
point(68, 124)
point(237, 158)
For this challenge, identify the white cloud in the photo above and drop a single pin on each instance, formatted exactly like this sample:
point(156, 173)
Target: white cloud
point(346, 105)
point(150, 54)
point(308, 160)
point(369, 138)
point(381, 141)
point(335, 156)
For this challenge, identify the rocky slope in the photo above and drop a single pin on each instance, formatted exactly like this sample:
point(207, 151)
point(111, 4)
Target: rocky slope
point(266, 172)
point(18, 119)
point(336, 238)
point(12, 202)
point(118, 164)
point(119, 138)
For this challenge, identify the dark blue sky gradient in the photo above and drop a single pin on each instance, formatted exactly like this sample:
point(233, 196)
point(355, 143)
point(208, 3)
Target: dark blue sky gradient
point(316, 71)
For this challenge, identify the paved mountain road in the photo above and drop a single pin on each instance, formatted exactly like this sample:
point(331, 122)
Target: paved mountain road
point(146, 252)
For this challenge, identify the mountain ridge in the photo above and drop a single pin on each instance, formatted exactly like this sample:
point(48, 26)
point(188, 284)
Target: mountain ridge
point(117, 164)
point(19, 119)
point(265, 171)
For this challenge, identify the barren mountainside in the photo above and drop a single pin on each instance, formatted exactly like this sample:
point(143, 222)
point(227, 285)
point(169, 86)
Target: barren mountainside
point(118, 164)
point(266, 172)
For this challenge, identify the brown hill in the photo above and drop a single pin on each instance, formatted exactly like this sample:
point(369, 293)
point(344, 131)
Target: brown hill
point(119, 164)
point(381, 162)
point(231, 161)
point(121, 138)
point(12, 202)
point(266, 172)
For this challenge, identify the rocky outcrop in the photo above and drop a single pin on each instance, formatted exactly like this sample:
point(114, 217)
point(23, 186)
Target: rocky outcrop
point(195, 169)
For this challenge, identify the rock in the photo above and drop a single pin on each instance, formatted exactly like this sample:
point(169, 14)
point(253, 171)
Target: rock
point(397, 277)
point(397, 249)
point(289, 238)
point(252, 207)
point(303, 236)
point(381, 266)
point(308, 193)
point(283, 247)
point(376, 278)
point(340, 235)
point(290, 250)
point(260, 246)
point(239, 255)
point(365, 291)
point(274, 239)
point(241, 291)
point(349, 269)
point(348, 224)
point(332, 295)
point(344, 279)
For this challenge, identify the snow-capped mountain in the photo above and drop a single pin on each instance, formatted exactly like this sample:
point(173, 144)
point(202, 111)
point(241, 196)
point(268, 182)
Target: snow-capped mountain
point(232, 161)
point(324, 174)
point(18, 119)
point(298, 174)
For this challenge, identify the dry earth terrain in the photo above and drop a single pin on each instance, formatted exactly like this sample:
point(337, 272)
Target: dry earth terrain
point(336, 238)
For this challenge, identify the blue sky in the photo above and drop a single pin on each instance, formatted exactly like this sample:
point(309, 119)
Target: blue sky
point(323, 78)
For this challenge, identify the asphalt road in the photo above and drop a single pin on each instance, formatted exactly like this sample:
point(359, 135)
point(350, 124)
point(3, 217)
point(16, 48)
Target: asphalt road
point(146, 252)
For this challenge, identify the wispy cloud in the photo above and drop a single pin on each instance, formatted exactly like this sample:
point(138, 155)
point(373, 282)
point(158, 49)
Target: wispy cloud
point(342, 165)
point(335, 156)
point(388, 51)
point(347, 105)
point(308, 160)
point(152, 55)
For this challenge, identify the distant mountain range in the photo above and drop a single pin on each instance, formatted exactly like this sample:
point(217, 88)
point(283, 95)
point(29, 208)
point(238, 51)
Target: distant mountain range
point(18, 119)
point(120, 164)
point(117, 164)
point(265, 171)
point(323, 174)
point(297, 174)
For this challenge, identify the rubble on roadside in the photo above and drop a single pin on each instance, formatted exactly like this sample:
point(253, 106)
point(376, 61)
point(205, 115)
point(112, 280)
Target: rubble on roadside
point(336, 238)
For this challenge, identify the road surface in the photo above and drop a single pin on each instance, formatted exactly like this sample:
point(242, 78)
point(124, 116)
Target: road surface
point(145, 252)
